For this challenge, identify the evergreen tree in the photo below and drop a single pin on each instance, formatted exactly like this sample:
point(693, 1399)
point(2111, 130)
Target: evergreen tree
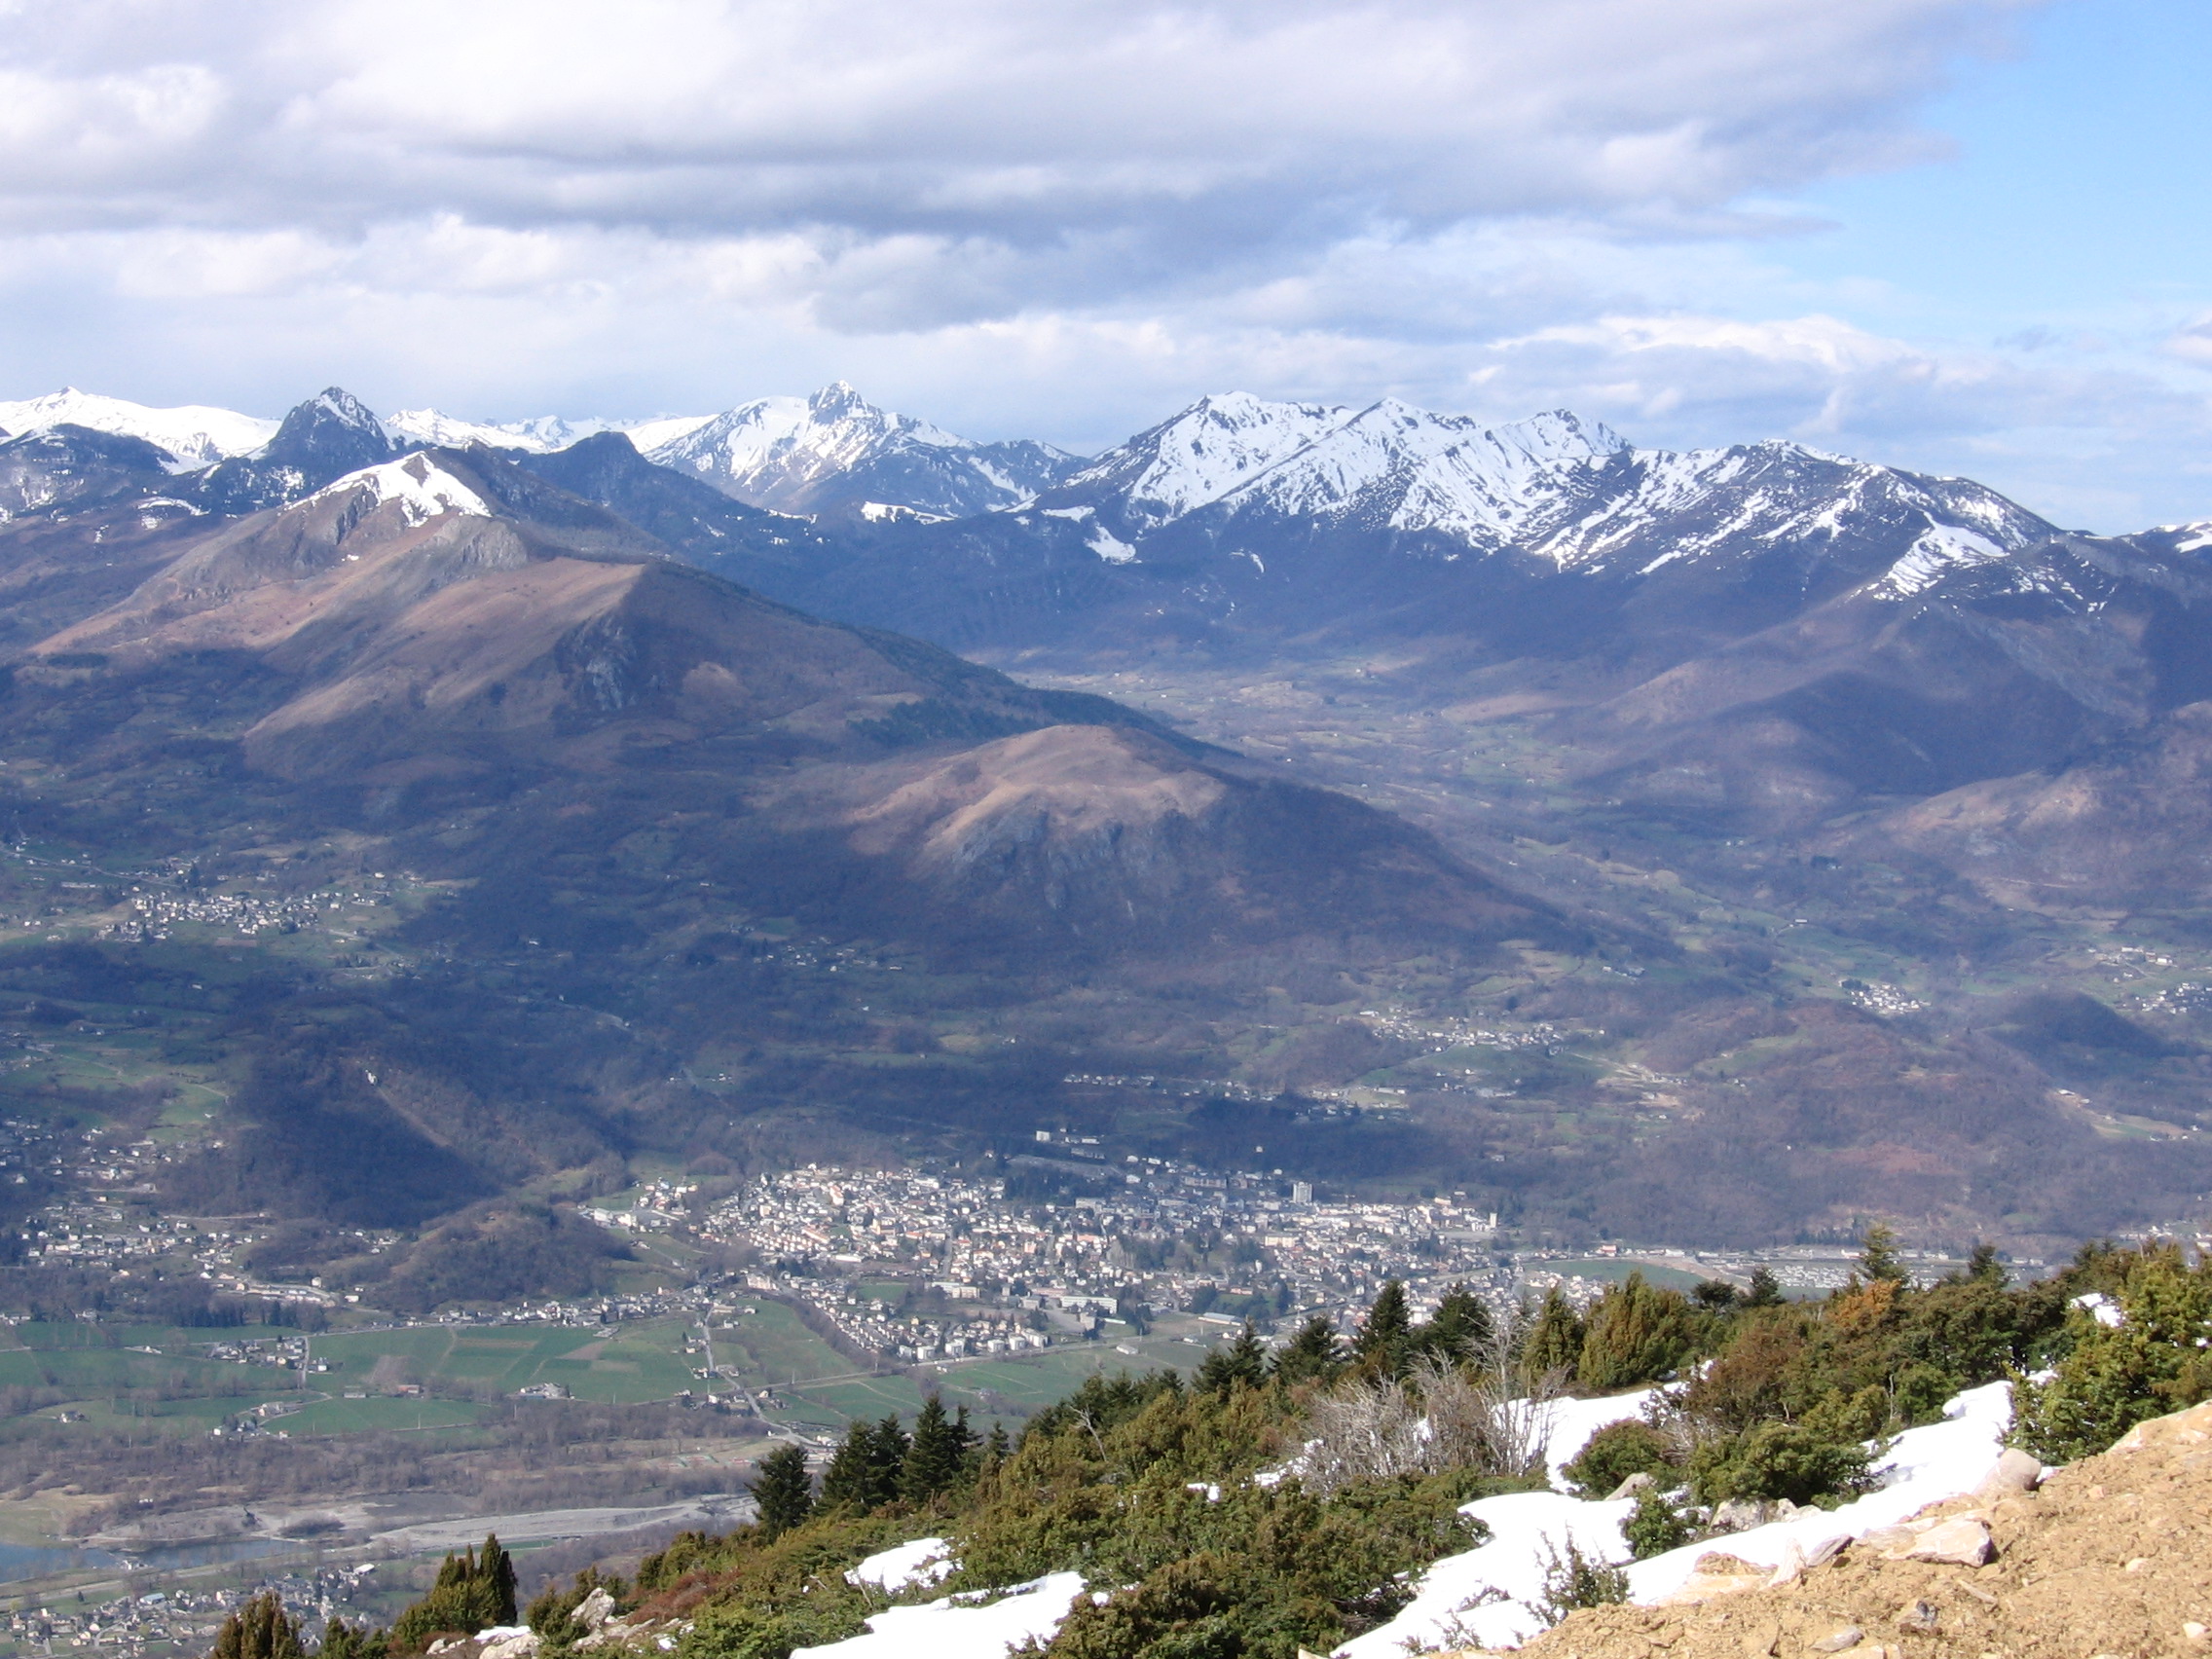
point(260, 1630)
point(1716, 1295)
point(1983, 1266)
point(782, 1490)
point(887, 1462)
point(1552, 1342)
point(850, 1478)
point(1383, 1333)
point(1312, 1354)
point(1765, 1290)
point(472, 1593)
point(996, 1446)
point(1878, 1256)
point(1243, 1361)
point(342, 1641)
point(498, 1568)
point(1634, 1334)
point(937, 1455)
point(1461, 1329)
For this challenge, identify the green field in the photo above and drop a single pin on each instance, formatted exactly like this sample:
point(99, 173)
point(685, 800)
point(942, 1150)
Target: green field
point(617, 1364)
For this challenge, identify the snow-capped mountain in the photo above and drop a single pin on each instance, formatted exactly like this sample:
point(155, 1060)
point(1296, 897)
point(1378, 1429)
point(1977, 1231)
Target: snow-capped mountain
point(541, 436)
point(1195, 457)
point(835, 451)
point(329, 435)
point(193, 434)
point(1310, 520)
point(1554, 489)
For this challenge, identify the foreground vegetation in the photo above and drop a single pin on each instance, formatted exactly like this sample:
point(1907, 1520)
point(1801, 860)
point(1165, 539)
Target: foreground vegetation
point(1269, 1502)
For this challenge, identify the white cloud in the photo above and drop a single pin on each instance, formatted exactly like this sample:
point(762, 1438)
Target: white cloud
point(1110, 145)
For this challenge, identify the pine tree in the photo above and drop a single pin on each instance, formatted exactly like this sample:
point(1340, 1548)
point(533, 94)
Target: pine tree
point(1765, 1290)
point(996, 1446)
point(1312, 1354)
point(1983, 1266)
point(887, 1462)
point(1461, 1329)
point(782, 1490)
point(1878, 1256)
point(937, 1455)
point(1552, 1342)
point(850, 1478)
point(259, 1630)
point(1383, 1333)
point(1243, 1361)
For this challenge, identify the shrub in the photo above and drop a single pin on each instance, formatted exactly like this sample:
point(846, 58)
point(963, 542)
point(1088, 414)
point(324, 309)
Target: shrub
point(1618, 1451)
point(1920, 1393)
point(1575, 1580)
point(1655, 1526)
point(2116, 1377)
point(1634, 1334)
point(1794, 1460)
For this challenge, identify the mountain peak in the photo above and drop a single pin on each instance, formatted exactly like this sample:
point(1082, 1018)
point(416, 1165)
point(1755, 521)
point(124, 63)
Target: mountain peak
point(837, 400)
point(333, 425)
point(835, 451)
point(322, 439)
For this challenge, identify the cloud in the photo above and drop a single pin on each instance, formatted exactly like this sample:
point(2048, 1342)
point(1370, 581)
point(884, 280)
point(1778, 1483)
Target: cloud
point(2192, 343)
point(1088, 148)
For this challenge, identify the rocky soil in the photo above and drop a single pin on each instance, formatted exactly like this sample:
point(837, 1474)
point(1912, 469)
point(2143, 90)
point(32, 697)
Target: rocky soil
point(2111, 1556)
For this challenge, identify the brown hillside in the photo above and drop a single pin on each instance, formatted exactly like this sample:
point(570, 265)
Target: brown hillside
point(2112, 1557)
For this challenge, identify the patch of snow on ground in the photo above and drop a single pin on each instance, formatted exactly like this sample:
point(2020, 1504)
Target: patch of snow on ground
point(2102, 1309)
point(1450, 1609)
point(956, 1628)
point(1926, 1465)
point(924, 1561)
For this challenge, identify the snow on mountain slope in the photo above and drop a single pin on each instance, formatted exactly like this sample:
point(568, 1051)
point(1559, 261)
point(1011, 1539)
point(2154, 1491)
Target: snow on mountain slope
point(1554, 487)
point(1419, 471)
point(539, 436)
point(1197, 458)
point(424, 490)
point(195, 434)
point(1692, 502)
point(836, 450)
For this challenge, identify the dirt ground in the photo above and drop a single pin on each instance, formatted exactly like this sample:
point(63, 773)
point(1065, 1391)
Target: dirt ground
point(2112, 1557)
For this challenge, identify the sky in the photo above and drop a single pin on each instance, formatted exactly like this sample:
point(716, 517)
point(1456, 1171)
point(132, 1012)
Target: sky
point(1962, 235)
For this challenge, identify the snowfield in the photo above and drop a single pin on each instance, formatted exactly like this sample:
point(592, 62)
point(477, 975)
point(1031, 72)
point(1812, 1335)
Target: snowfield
point(957, 1628)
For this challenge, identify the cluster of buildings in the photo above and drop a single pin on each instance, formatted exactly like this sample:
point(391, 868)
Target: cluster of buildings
point(980, 1272)
point(178, 1621)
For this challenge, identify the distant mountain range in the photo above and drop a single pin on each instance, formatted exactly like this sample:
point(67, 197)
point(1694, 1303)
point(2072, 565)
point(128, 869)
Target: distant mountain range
point(833, 453)
point(1669, 715)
